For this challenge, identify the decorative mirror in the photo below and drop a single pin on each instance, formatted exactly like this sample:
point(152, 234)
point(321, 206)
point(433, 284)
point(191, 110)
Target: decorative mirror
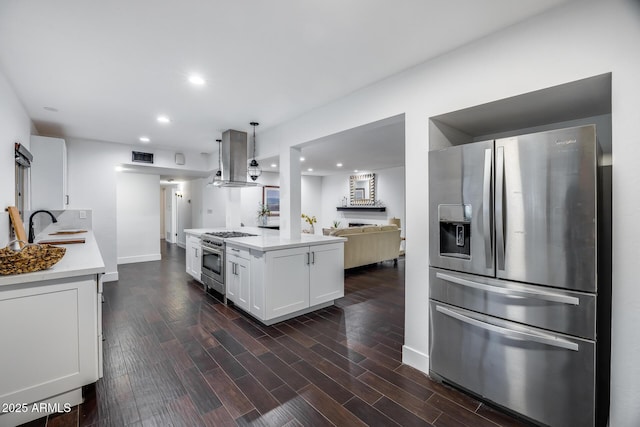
point(363, 189)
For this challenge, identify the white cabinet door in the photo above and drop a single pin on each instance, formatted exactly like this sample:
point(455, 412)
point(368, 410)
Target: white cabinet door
point(48, 173)
point(189, 257)
point(49, 338)
point(326, 277)
point(230, 278)
point(193, 255)
point(197, 261)
point(257, 284)
point(99, 302)
point(287, 280)
point(238, 277)
point(243, 276)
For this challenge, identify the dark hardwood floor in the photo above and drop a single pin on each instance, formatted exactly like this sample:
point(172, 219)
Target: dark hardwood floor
point(175, 356)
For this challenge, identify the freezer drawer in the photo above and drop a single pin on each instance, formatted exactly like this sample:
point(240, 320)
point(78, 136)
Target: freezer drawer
point(547, 377)
point(572, 313)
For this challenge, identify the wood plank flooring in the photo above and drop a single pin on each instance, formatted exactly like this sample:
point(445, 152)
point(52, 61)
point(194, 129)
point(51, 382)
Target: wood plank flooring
point(176, 356)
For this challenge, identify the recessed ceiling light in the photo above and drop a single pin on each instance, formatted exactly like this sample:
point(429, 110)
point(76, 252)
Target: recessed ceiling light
point(339, 165)
point(273, 165)
point(52, 109)
point(119, 168)
point(144, 139)
point(302, 159)
point(163, 119)
point(355, 170)
point(310, 169)
point(196, 80)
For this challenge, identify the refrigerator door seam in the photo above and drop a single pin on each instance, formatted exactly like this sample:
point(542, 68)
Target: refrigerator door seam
point(499, 208)
point(541, 295)
point(550, 340)
point(486, 208)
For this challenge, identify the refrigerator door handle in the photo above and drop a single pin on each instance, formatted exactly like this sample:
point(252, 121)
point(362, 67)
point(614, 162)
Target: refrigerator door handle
point(486, 208)
point(541, 295)
point(547, 339)
point(500, 211)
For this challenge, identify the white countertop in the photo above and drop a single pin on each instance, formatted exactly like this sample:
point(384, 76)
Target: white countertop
point(267, 239)
point(252, 230)
point(274, 242)
point(80, 259)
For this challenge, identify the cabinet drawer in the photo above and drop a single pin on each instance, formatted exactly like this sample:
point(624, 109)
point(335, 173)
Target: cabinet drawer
point(238, 252)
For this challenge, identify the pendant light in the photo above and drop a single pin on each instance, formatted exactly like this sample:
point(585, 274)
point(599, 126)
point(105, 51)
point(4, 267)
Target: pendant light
point(254, 170)
point(217, 178)
point(219, 172)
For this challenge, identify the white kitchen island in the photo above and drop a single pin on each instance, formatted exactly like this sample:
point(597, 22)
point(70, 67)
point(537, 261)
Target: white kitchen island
point(51, 334)
point(273, 279)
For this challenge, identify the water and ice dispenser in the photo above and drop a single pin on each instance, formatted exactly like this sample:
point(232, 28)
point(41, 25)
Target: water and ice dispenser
point(455, 230)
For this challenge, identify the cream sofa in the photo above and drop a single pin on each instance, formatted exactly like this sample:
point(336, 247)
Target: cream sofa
point(368, 244)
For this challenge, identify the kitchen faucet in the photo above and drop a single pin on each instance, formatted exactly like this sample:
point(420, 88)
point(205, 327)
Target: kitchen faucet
point(31, 232)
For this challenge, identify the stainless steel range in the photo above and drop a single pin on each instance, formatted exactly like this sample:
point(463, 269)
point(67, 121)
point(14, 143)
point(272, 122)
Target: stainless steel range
point(213, 259)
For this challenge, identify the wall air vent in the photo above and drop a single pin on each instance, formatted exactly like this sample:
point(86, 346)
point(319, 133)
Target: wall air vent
point(140, 157)
point(179, 159)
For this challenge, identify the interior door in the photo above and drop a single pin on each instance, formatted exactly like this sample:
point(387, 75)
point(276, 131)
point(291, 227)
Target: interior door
point(460, 208)
point(546, 208)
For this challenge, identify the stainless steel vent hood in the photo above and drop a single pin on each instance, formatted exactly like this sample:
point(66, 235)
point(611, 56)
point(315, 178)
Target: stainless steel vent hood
point(234, 160)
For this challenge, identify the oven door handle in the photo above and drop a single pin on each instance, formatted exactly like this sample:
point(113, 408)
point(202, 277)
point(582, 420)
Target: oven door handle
point(547, 339)
point(208, 250)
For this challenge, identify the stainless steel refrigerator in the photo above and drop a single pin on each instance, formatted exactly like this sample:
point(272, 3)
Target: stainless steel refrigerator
point(519, 277)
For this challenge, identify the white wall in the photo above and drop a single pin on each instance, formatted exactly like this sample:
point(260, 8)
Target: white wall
point(576, 41)
point(161, 207)
point(167, 201)
point(209, 205)
point(184, 209)
point(252, 196)
point(311, 200)
point(16, 127)
point(138, 217)
point(209, 202)
point(389, 189)
point(93, 185)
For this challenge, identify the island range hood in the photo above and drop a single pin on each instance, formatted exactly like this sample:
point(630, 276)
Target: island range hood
point(234, 160)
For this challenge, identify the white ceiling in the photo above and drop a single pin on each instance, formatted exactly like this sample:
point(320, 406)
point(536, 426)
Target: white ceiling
point(110, 67)
point(378, 145)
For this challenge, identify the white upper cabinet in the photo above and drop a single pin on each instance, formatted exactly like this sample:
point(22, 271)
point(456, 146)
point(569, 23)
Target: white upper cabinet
point(48, 173)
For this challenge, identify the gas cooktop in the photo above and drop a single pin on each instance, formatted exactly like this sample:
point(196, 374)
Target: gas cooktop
point(228, 234)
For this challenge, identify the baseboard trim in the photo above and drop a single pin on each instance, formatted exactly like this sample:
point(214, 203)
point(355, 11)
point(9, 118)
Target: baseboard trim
point(139, 258)
point(415, 359)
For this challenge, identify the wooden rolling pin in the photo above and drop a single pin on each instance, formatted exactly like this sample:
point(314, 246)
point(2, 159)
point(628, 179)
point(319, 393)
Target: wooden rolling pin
point(68, 232)
point(18, 226)
point(61, 242)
